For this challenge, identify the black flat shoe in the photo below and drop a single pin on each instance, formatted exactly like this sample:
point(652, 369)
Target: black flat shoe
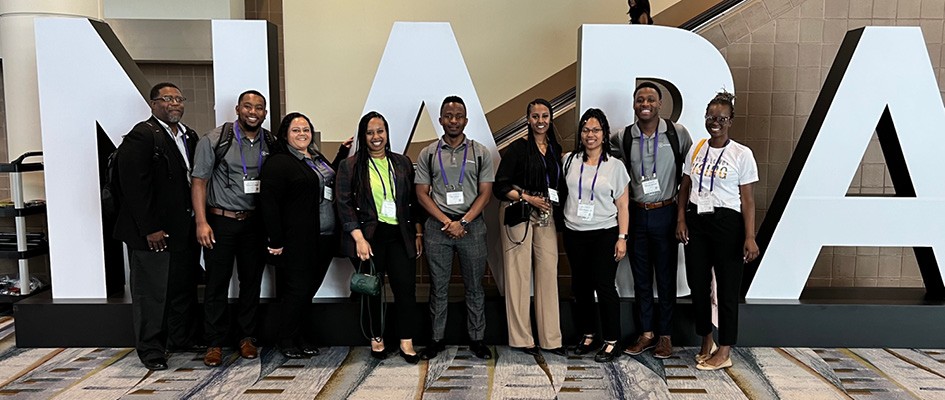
point(532, 351)
point(410, 358)
point(561, 351)
point(586, 345)
point(293, 352)
point(480, 350)
point(604, 356)
point(432, 350)
point(156, 364)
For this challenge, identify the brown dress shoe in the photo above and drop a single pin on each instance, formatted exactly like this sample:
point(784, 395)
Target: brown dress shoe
point(643, 344)
point(664, 349)
point(248, 349)
point(214, 357)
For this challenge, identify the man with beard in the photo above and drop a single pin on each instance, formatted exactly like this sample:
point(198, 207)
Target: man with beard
point(653, 150)
point(156, 223)
point(226, 184)
point(454, 182)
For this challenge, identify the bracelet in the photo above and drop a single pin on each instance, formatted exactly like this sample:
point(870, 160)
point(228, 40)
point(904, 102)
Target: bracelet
point(419, 235)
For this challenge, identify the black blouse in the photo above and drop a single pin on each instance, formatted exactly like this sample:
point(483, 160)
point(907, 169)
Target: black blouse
point(525, 167)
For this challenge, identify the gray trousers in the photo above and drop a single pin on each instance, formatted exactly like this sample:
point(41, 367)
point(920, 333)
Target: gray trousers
point(439, 249)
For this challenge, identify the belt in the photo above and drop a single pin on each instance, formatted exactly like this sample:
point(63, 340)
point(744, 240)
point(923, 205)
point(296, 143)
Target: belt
point(237, 215)
point(653, 206)
point(454, 217)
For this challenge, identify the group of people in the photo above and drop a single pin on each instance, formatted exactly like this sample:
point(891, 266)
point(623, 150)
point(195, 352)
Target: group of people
point(241, 192)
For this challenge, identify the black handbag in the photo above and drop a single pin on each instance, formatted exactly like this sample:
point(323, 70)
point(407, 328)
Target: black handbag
point(516, 213)
point(366, 283)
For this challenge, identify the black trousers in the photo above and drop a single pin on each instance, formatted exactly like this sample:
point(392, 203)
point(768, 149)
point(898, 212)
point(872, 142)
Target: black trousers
point(300, 272)
point(654, 251)
point(246, 242)
point(716, 242)
point(391, 259)
point(163, 300)
point(593, 269)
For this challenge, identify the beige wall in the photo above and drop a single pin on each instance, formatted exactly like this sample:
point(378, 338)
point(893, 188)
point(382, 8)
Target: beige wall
point(333, 47)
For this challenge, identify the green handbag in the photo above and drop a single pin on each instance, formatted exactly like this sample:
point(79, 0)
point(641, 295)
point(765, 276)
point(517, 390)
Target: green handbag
point(366, 283)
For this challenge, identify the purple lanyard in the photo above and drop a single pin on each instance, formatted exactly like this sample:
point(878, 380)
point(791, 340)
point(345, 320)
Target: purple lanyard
point(239, 142)
point(548, 177)
point(462, 171)
point(390, 175)
point(656, 142)
point(593, 182)
point(714, 169)
point(331, 174)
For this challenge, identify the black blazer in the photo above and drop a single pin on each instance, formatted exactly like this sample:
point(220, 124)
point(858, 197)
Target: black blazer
point(521, 166)
point(356, 209)
point(290, 197)
point(154, 188)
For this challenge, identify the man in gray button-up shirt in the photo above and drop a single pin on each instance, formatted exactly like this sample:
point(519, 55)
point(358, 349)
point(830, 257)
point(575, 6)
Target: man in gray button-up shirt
point(454, 182)
point(225, 186)
point(653, 161)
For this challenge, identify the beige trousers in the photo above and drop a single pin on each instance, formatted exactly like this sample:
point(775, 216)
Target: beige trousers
point(538, 251)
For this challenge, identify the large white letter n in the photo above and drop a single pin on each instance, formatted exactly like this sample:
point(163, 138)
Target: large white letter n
point(880, 74)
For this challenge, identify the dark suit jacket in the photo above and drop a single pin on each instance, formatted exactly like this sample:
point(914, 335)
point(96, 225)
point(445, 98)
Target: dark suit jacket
point(356, 209)
point(155, 191)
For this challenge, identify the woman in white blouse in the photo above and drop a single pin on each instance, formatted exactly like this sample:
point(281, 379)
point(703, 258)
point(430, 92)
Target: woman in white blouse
point(596, 220)
point(717, 227)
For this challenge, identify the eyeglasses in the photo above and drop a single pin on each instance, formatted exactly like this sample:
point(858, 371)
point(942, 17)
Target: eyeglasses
point(592, 130)
point(171, 99)
point(720, 120)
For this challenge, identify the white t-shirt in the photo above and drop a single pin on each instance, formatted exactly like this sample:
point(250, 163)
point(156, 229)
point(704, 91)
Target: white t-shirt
point(735, 167)
point(612, 180)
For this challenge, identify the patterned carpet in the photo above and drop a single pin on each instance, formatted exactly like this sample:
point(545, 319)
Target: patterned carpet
point(350, 373)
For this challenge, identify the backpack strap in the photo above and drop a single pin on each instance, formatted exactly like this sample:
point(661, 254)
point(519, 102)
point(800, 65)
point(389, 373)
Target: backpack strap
point(223, 144)
point(673, 139)
point(695, 152)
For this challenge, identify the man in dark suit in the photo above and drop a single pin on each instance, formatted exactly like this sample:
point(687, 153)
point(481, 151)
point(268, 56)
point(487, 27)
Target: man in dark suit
point(156, 222)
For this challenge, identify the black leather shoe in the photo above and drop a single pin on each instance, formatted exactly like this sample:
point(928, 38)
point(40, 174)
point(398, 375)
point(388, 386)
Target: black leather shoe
point(310, 350)
point(410, 358)
point(586, 345)
point(293, 352)
point(380, 355)
point(561, 351)
point(155, 364)
point(480, 350)
point(606, 356)
point(432, 350)
point(532, 351)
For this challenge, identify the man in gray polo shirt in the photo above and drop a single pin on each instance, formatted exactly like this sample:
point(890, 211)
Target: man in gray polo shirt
point(653, 149)
point(454, 182)
point(225, 186)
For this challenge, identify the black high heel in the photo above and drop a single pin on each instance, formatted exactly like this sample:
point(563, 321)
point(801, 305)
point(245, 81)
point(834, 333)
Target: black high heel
point(379, 354)
point(410, 358)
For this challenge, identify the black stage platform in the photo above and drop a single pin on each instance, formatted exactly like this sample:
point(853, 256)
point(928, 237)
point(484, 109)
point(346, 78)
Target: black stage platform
point(826, 317)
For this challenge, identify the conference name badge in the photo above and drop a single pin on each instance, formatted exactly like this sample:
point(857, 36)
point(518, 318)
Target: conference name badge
point(455, 198)
point(251, 186)
point(389, 209)
point(585, 211)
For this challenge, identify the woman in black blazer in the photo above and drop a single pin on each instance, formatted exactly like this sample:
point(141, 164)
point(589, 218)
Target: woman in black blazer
point(378, 219)
point(298, 211)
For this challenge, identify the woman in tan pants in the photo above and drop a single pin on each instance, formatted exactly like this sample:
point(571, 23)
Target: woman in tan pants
point(529, 178)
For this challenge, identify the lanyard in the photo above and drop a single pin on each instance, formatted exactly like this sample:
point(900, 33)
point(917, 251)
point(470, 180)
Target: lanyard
point(312, 165)
point(462, 171)
point(656, 142)
point(390, 175)
point(714, 169)
point(593, 183)
point(548, 177)
point(239, 142)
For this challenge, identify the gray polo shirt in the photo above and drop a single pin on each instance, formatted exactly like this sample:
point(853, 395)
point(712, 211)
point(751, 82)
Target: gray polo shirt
point(429, 173)
point(665, 161)
point(225, 189)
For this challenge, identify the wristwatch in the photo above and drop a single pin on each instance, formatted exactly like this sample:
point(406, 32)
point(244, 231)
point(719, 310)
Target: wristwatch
point(622, 236)
point(464, 223)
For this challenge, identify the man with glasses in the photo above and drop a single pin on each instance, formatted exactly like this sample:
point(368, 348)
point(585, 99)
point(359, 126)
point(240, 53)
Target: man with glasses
point(652, 150)
point(226, 185)
point(156, 223)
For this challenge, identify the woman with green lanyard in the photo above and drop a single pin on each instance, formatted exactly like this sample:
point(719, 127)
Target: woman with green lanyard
point(717, 228)
point(596, 220)
point(375, 199)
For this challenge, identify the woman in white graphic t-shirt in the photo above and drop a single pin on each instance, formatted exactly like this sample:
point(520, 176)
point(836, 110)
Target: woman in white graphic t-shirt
point(717, 227)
